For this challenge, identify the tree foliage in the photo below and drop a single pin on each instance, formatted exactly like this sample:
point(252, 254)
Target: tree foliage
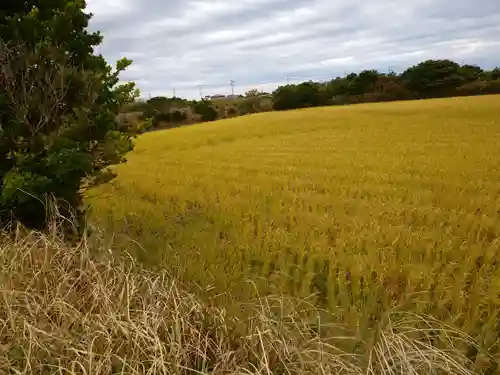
point(429, 79)
point(253, 93)
point(173, 117)
point(205, 110)
point(306, 94)
point(495, 74)
point(59, 102)
point(433, 78)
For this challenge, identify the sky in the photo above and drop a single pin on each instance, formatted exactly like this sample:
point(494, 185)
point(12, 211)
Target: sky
point(184, 44)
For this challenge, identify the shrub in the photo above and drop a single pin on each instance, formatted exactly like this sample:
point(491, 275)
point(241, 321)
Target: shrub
point(304, 95)
point(493, 87)
point(173, 117)
point(479, 88)
point(248, 105)
point(231, 112)
point(471, 88)
point(58, 110)
point(205, 110)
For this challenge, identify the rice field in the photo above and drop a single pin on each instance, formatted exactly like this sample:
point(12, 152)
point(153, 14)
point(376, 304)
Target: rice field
point(367, 206)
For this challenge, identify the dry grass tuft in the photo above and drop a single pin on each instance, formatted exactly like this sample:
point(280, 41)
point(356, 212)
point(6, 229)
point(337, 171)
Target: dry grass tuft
point(83, 310)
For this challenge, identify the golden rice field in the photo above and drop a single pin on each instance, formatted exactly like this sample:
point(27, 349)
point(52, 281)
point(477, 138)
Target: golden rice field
point(393, 204)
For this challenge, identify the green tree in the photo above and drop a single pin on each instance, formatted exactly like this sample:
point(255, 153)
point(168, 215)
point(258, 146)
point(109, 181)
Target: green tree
point(470, 72)
point(303, 95)
point(336, 87)
point(495, 74)
point(433, 78)
point(205, 109)
point(172, 117)
point(253, 93)
point(390, 87)
point(363, 82)
point(59, 130)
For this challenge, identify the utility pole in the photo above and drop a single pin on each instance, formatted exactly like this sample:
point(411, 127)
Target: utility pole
point(232, 83)
point(173, 92)
point(200, 87)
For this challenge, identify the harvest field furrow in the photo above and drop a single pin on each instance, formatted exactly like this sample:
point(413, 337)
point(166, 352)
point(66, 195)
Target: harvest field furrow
point(380, 201)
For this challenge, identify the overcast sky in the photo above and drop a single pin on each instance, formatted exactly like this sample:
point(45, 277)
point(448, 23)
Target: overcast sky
point(181, 44)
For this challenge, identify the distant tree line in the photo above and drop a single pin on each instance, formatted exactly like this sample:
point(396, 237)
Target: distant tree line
point(173, 112)
point(429, 79)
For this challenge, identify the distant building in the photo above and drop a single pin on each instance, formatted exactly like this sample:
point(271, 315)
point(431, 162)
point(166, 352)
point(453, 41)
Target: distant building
point(217, 97)
point(223, 97)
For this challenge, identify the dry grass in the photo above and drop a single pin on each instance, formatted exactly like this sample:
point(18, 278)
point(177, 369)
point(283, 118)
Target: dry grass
point(83, 310)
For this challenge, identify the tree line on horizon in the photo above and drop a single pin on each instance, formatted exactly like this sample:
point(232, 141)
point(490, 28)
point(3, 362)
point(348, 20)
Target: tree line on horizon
point(428, 79)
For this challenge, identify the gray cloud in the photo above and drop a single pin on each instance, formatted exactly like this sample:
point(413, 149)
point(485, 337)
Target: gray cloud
point(259, 43)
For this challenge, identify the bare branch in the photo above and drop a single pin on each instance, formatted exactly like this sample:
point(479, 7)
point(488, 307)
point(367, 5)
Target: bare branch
point(36, 85)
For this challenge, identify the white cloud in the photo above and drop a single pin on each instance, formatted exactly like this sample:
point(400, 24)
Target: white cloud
point(109, 8)
point(182, 44)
